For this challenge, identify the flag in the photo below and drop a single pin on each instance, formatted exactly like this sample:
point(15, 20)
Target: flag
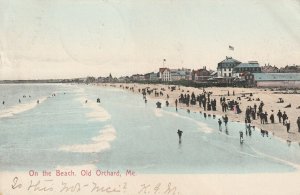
point(231, 48)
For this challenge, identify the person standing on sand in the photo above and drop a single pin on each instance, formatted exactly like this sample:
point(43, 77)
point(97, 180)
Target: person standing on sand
point(272, 118)
point(266, 117)
point(262, 118)
point(284, 117)
point(179, 132)
point(298, 123)
point(279, 114)
point(288, 124)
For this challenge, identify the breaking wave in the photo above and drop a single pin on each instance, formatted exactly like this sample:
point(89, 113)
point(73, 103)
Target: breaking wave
point(97, 112)
point(99, 143)
point(19, 108)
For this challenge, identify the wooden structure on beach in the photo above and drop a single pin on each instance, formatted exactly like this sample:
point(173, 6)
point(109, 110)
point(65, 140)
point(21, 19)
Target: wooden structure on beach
point(280, 80)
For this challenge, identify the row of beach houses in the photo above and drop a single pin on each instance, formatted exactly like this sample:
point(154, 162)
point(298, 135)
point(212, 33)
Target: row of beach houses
point(229, 71)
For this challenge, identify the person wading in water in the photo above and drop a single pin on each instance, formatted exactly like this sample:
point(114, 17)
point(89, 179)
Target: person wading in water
point(220, 124)
point(241, 137)
point(179, 132)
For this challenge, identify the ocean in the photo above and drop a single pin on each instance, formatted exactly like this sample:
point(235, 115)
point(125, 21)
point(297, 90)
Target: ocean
point(69, 128)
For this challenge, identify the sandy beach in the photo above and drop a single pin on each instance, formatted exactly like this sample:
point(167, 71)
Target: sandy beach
point(269, 98)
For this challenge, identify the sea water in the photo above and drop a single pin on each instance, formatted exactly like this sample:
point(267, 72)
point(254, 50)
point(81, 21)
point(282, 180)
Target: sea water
point(69, 128)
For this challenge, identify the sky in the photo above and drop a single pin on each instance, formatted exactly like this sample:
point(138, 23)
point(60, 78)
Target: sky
point(42, 39)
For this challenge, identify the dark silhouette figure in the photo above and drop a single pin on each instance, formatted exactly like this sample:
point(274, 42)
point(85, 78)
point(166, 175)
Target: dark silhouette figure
point(279, 114)
point(284, 117)
point(220, 124)
point(298, 123)
point(272, 118)
point(225, 119)
point(266, 117)
point(158, 105)
point(248, 129)
point(179, 132)
point(241, 137)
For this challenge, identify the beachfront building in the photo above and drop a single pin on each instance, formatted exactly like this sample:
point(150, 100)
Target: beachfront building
point(152, 76)
point(225, 67)
point(137, 77)
point(251, 67)
point(101, 79)
point(177, 75)
point(164, 74)
point(180, 74)
point(124, 79)
point(280, 80)
point(188, 73)
point(201, 75)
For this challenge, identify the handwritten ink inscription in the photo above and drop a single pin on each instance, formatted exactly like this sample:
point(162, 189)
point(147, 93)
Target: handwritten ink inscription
point(51, 185)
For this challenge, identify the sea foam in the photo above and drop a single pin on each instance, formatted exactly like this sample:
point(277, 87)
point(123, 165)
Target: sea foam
point(19, 108)
point(97, 112)
point(98, 144)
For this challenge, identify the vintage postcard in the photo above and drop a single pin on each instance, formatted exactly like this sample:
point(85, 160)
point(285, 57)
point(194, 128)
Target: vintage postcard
point(155, 97)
